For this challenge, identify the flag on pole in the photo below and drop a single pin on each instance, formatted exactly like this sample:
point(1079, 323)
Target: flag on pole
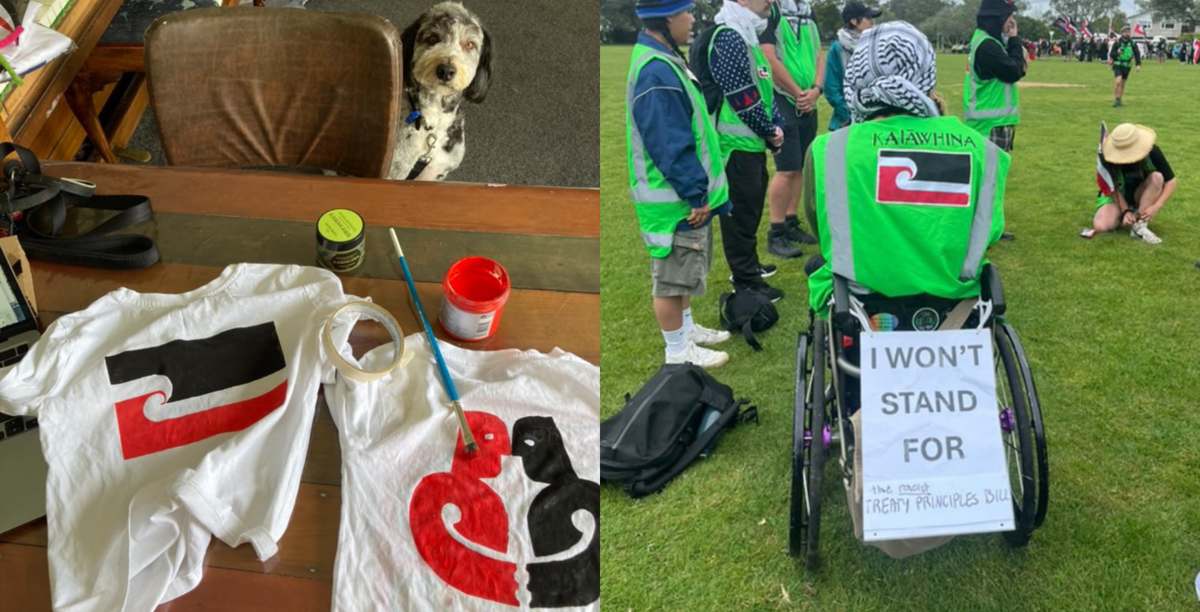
point(1087, 33)
point(1061, 23)
point(1104, 178)
point(1071, 29)
point(1138, 30)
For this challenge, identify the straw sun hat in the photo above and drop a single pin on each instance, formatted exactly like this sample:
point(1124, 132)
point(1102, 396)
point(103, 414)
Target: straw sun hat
point(1128, 143)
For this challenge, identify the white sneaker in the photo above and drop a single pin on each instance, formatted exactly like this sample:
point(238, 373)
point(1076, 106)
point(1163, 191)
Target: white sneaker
point(1141, 231)
point(705, 358)
point(704, 335)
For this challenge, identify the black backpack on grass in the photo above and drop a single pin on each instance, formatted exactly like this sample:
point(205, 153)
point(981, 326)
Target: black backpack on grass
point(661, 430)
point(747, 312)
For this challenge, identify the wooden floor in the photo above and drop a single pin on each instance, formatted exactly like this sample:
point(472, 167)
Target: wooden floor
point(548, 240)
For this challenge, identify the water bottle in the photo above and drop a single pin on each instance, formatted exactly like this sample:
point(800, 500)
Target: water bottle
point(710, 418)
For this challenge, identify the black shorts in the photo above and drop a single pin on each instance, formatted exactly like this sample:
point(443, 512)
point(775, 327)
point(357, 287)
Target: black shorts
point(797, 135)
point(1121, 71)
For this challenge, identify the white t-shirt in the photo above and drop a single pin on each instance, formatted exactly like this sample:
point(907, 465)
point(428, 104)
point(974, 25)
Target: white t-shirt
point(167, 419)
point(514, 525)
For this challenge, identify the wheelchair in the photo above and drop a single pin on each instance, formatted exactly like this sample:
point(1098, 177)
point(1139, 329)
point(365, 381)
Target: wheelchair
point(827, 394)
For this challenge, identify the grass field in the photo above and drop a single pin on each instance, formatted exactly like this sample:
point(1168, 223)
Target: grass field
point(1111, 329)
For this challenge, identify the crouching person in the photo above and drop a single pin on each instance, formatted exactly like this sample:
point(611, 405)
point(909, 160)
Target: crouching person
point(676, 177)
point(1143, 182)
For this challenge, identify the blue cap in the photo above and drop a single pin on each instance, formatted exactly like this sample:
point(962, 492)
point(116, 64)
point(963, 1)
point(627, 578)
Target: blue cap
point(662, 8)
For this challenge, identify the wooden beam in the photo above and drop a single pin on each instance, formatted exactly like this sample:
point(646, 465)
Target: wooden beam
point(116, 57)
point(555, 211)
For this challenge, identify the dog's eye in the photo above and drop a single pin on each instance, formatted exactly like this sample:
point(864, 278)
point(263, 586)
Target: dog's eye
point(432, 39)
point(469, 45)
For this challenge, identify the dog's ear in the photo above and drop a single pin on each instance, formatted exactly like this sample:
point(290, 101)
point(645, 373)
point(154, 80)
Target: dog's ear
point(408, 42)
point(477, 91)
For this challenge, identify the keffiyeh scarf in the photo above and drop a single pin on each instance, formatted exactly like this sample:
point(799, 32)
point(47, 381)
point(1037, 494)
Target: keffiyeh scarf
point(893, 66)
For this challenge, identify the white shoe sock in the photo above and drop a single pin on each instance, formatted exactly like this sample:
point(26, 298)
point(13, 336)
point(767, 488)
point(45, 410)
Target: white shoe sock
point(677, 341)
point(687, 321)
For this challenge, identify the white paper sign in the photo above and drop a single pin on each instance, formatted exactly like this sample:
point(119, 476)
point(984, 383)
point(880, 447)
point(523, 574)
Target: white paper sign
point(933, 458)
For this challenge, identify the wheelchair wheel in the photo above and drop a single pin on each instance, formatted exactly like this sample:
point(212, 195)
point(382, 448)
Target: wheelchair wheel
point(1016, 434)
point(1039, 432)
point(809, 441)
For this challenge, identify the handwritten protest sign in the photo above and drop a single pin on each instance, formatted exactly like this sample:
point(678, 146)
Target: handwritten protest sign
point(933, 458)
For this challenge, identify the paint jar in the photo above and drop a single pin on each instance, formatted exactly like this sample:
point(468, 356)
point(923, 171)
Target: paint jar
point(474, 291)
point(341, 240)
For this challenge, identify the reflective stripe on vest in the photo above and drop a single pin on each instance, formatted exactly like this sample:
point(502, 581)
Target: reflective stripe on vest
point(837, 210)
point(971, 110)
point(981, 224)
point(837, 205)
point(658, 206)
point(658, 240)
point(736, 135)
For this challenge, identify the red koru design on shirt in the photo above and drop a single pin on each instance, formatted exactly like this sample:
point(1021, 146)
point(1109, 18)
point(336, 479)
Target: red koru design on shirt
point(141, 436)
point(226, 363)
point(484, 519)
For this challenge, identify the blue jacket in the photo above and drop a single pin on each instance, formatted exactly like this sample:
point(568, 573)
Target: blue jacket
point(835, 73)
point(662, 113)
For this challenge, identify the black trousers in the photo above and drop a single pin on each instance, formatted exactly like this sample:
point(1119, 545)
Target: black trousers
point(747, 176)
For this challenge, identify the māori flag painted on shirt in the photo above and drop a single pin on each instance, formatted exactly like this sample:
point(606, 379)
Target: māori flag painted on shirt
point(185, 391)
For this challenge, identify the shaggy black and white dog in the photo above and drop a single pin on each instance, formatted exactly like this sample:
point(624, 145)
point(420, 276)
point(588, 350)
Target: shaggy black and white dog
point(447, 59)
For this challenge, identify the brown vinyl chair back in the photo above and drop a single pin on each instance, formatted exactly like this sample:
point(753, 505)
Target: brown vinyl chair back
point(254, 87)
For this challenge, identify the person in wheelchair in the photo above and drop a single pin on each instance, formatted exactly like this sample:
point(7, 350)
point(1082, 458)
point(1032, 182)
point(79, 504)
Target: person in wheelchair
point(905, 202)
point(907, 199)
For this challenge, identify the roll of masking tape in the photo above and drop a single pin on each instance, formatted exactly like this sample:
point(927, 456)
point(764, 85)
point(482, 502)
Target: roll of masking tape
point(375, 313)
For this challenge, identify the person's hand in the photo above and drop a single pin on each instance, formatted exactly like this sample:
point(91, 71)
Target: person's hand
point(777, 139)
point(1129, 218)
point(807, 99)
point(1010, 26)
point(1142, 216)
point(699, 215)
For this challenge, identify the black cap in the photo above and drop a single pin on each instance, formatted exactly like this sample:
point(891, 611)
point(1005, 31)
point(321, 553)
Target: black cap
point(997, 8)
point(858, 10)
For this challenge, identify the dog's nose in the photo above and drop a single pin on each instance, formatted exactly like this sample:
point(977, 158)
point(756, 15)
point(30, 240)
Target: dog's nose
point(445, 72)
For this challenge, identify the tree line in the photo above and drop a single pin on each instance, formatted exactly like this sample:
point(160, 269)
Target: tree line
point(944, 22)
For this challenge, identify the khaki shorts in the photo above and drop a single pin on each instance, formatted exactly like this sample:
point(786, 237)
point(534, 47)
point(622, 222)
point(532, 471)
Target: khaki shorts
point(685, 270)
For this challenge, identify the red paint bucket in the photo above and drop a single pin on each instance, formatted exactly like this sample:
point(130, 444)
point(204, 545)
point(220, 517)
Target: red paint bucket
point(474, 291)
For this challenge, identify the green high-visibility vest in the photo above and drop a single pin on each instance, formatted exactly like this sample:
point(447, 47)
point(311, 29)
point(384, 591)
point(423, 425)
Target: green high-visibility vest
point(988, 103)
point(798, 54)
point(736, 135)
point(1124, 55)
point(877, 225)
point(659, 208)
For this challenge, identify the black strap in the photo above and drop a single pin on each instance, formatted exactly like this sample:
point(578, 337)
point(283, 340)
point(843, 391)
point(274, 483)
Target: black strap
point(748, 334)
point(419, 168)
point(36, 209)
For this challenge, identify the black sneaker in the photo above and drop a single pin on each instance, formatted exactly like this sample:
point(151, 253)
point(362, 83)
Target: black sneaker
point(764, 270)
point(779, 246)
point(795, 234)
point(763, 288)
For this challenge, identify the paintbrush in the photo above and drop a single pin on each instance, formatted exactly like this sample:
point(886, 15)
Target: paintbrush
point(468, 439)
